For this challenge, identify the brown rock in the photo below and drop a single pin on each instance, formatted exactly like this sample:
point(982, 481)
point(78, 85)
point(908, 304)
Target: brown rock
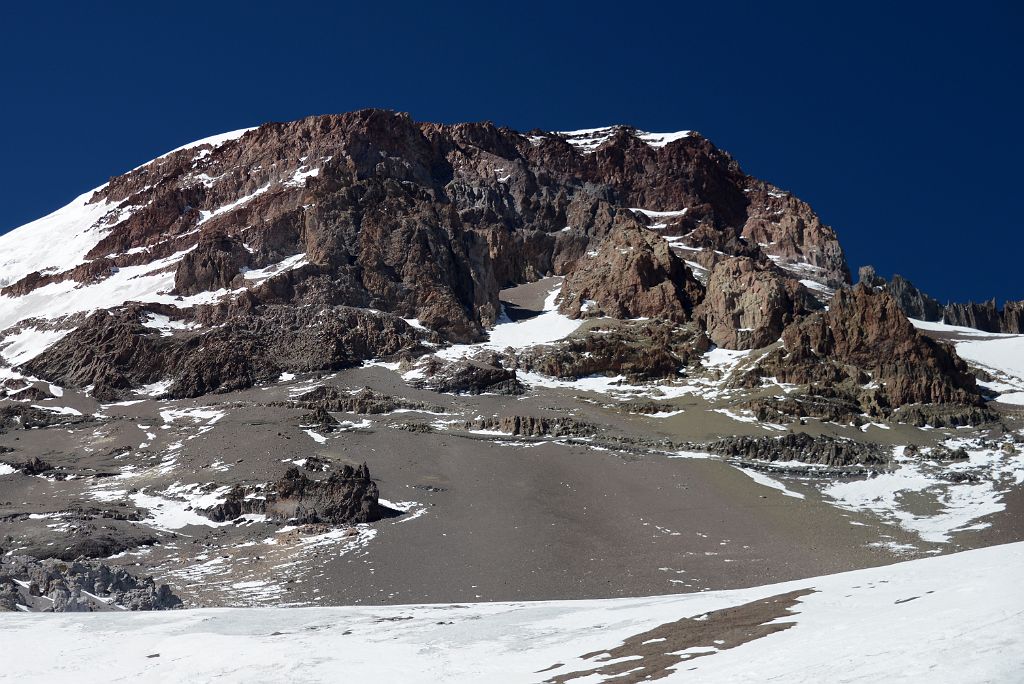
point(634, 274)
point(748, 306)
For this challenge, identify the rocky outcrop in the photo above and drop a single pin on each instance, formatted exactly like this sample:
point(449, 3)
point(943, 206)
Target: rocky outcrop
point(66, 587)
point(429, 221)
point(633, 274)
point(787, 228)
point(913, 302)
point(916, 304)
point(820, 450)
point(535, 426)
point(364, 400)
point(216, 263)
point(21, 416)
point(987, 316)
point(115, 353)
point(864, 343)
point(345, 497)
point(640, 351)
point(320, 419)
point(748, 305)
point(468, 376)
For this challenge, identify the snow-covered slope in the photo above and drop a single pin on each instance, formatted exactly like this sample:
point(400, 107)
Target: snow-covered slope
point(60, 241)
point(956, 618)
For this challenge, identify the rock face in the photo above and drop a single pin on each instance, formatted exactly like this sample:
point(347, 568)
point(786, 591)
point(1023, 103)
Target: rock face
point(114, 352)
point(987, 316)
point(747, 305)
point(913, 302)
point(345, 497)
point(916, 304)
point(864, 346)
point(66, 584)
point(634, 274)
point(215, 263)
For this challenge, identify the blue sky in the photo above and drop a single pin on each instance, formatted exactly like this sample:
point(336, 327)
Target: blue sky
point(899, 122)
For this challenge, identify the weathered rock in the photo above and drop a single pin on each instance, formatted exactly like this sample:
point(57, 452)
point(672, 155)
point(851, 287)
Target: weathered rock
point(915, 304)
point(633, 274)
point(345, 497)
point(748, 305)
point(245, 347)
point(365, 401)
point(820, 450)
point(65, 583)
point(865, 340)
point(215, 263)
point(468, 376)
point(639, 350)
point(320, 419)
point(535, 426)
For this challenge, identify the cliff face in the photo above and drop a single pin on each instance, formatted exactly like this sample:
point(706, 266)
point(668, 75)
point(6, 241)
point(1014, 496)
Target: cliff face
point(748, 306)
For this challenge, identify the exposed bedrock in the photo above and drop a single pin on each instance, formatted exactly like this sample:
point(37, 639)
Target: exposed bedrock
point(345, 497)
point(634, 274)
point(364, 400)
point(748, 305)
point(216, 263)
point(799, 446)
point(67, 586)
point(480, 375)
point(864, 336)
point(916, 304)
point(638, 350)
point(429, 221)
point(535, 426)
point(115, 353)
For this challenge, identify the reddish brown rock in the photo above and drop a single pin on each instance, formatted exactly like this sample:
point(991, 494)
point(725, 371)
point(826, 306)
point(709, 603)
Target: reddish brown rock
point(634, 274)
point(865, 338)
point(216, 263)
point(747, 305)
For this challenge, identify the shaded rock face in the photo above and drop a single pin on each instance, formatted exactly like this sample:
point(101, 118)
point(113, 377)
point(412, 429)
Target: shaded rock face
point(63, 583)
point(913, 302)
point(634, 274)
point(640, 351)
point(987, 316)
point(345, 497)
point(864, 341)
point(916, 304)
point(114, 352)
point(747, 305)
point(215, 263)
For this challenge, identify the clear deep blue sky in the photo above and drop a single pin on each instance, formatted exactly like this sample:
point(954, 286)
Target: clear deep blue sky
point(900, 125)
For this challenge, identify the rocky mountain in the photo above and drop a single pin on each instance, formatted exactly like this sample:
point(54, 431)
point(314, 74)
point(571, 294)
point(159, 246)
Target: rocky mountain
point(545, 345)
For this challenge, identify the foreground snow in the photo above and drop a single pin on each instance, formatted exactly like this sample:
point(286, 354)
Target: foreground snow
point(956, 618)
